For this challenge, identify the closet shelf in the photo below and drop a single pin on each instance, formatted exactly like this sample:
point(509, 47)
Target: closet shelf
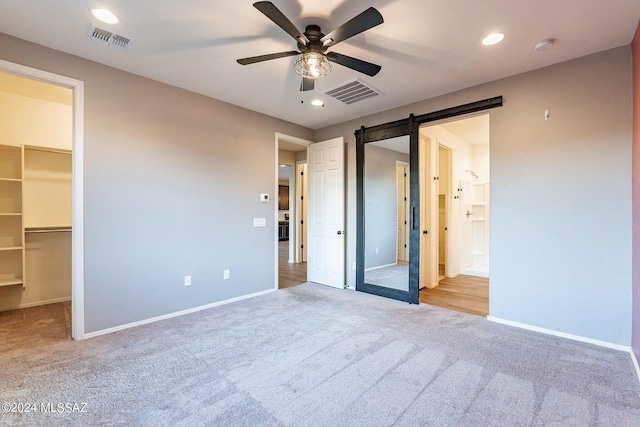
point(47, 229)
point(47, 149)
point(11, 281)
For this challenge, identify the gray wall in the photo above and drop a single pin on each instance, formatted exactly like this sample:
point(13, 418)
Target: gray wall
point(381, 205)
point(172, 182)
point(560, 193)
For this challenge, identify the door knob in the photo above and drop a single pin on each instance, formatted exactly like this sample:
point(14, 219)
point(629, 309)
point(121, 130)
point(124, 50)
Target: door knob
point(339, 232)
point(425, 231)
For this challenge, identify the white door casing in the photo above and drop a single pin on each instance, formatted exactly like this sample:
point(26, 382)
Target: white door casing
point(325, 213)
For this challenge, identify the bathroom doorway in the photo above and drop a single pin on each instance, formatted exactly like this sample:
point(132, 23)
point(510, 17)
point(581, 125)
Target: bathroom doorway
point(458, 212)
point(461, 180)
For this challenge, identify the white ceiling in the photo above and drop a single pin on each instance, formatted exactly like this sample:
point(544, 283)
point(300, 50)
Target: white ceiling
point(472, 130)
point(425, 47)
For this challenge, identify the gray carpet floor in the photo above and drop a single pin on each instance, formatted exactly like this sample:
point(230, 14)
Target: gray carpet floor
point(315, 356)
point(393, 276)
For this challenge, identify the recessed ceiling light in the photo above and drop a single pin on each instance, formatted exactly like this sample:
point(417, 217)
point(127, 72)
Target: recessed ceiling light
point(317, 103)
point(492, 39)
point(105, 16)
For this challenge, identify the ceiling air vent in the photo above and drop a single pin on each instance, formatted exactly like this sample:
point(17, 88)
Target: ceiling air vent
point(107, 38)
point(353, 91)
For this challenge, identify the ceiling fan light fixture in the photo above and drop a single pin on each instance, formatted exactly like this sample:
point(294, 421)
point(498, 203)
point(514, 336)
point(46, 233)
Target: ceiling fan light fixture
point(317, 103)
point(312, 65)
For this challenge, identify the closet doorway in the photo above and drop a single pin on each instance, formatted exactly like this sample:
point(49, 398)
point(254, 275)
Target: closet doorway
point(40, 259)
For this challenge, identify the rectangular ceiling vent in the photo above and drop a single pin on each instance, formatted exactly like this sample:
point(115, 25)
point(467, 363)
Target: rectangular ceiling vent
point(353, 91)
point(107, 38)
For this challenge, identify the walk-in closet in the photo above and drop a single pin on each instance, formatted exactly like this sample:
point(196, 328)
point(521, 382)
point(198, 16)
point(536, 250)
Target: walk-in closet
point(35, 193)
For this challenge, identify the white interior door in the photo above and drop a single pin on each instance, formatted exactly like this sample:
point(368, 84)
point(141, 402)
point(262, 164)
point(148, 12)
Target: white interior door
point(325, 214)
point(428, 167)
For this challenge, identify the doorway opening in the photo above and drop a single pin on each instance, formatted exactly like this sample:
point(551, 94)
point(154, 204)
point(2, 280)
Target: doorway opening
point(41, 179)
point(291, 211)
point(455, 206)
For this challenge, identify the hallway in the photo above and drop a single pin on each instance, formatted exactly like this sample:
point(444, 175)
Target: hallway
point(289, 274)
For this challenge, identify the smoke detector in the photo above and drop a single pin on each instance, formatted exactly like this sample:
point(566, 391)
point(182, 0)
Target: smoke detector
point(543, 45)
point(108, 38)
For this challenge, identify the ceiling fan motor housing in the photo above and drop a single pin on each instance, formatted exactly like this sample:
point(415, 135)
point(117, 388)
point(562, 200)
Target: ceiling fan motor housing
point(314, 35)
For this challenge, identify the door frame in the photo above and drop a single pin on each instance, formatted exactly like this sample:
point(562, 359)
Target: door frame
point(294, 140)
point(409, 126)
point(77, 221)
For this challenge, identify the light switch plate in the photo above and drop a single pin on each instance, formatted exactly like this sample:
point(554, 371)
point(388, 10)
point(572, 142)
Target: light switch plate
point(259, 222)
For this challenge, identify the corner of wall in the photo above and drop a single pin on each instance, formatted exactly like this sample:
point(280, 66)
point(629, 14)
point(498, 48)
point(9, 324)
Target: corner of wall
point(635, 328)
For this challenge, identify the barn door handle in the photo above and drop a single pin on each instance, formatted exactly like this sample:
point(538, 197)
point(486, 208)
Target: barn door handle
point(413, 218)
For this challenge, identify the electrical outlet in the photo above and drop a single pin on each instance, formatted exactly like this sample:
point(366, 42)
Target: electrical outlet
point(353, 266)
point(187, 280)
point(225, 275)
point(376, 251)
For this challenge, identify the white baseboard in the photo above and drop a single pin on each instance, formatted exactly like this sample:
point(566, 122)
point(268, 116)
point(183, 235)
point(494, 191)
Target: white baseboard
point(37, 303)
point(381, 266)
point(562, 334)
point(477, 273)
point(175, 314)
point(606, 344)
point(635, 363)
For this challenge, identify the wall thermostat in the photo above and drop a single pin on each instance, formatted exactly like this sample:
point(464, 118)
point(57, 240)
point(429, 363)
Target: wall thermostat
point(264, 197)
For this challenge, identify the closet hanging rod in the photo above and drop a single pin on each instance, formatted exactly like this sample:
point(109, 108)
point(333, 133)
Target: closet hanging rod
point(48, 150)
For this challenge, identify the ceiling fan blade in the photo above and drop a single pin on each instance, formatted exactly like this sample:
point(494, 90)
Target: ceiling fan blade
point(306, 84)
point(367, 19)
point(273, 13)
point(260, 58)
point(355, 64)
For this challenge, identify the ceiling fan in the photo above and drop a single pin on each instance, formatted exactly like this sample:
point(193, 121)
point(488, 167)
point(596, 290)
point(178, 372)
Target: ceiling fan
point(314, 61)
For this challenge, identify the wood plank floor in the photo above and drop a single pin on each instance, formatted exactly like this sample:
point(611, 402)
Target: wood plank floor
point(468, 294)
point(289, 274)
